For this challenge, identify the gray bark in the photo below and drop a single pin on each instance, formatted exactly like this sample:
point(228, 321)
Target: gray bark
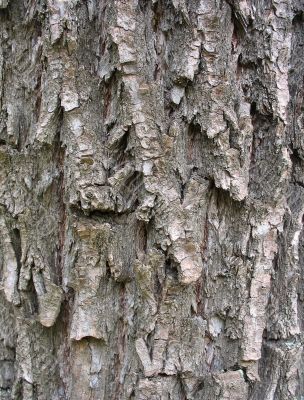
point(151, 205)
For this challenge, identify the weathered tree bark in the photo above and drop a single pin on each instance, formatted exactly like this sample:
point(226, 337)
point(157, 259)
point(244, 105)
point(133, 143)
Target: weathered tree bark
point(152, 199)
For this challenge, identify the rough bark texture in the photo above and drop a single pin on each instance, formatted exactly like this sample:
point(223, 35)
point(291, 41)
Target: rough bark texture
point(152, 175)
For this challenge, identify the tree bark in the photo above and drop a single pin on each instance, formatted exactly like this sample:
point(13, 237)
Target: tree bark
point(152, 199)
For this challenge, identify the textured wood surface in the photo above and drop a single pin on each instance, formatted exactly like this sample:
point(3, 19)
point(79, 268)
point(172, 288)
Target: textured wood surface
point(151, 200)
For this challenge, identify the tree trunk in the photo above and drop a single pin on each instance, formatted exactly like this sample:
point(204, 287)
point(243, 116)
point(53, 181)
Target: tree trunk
point(152, 175)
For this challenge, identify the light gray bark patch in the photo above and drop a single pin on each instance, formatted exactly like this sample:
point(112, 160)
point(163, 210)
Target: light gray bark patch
point(4, 3)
